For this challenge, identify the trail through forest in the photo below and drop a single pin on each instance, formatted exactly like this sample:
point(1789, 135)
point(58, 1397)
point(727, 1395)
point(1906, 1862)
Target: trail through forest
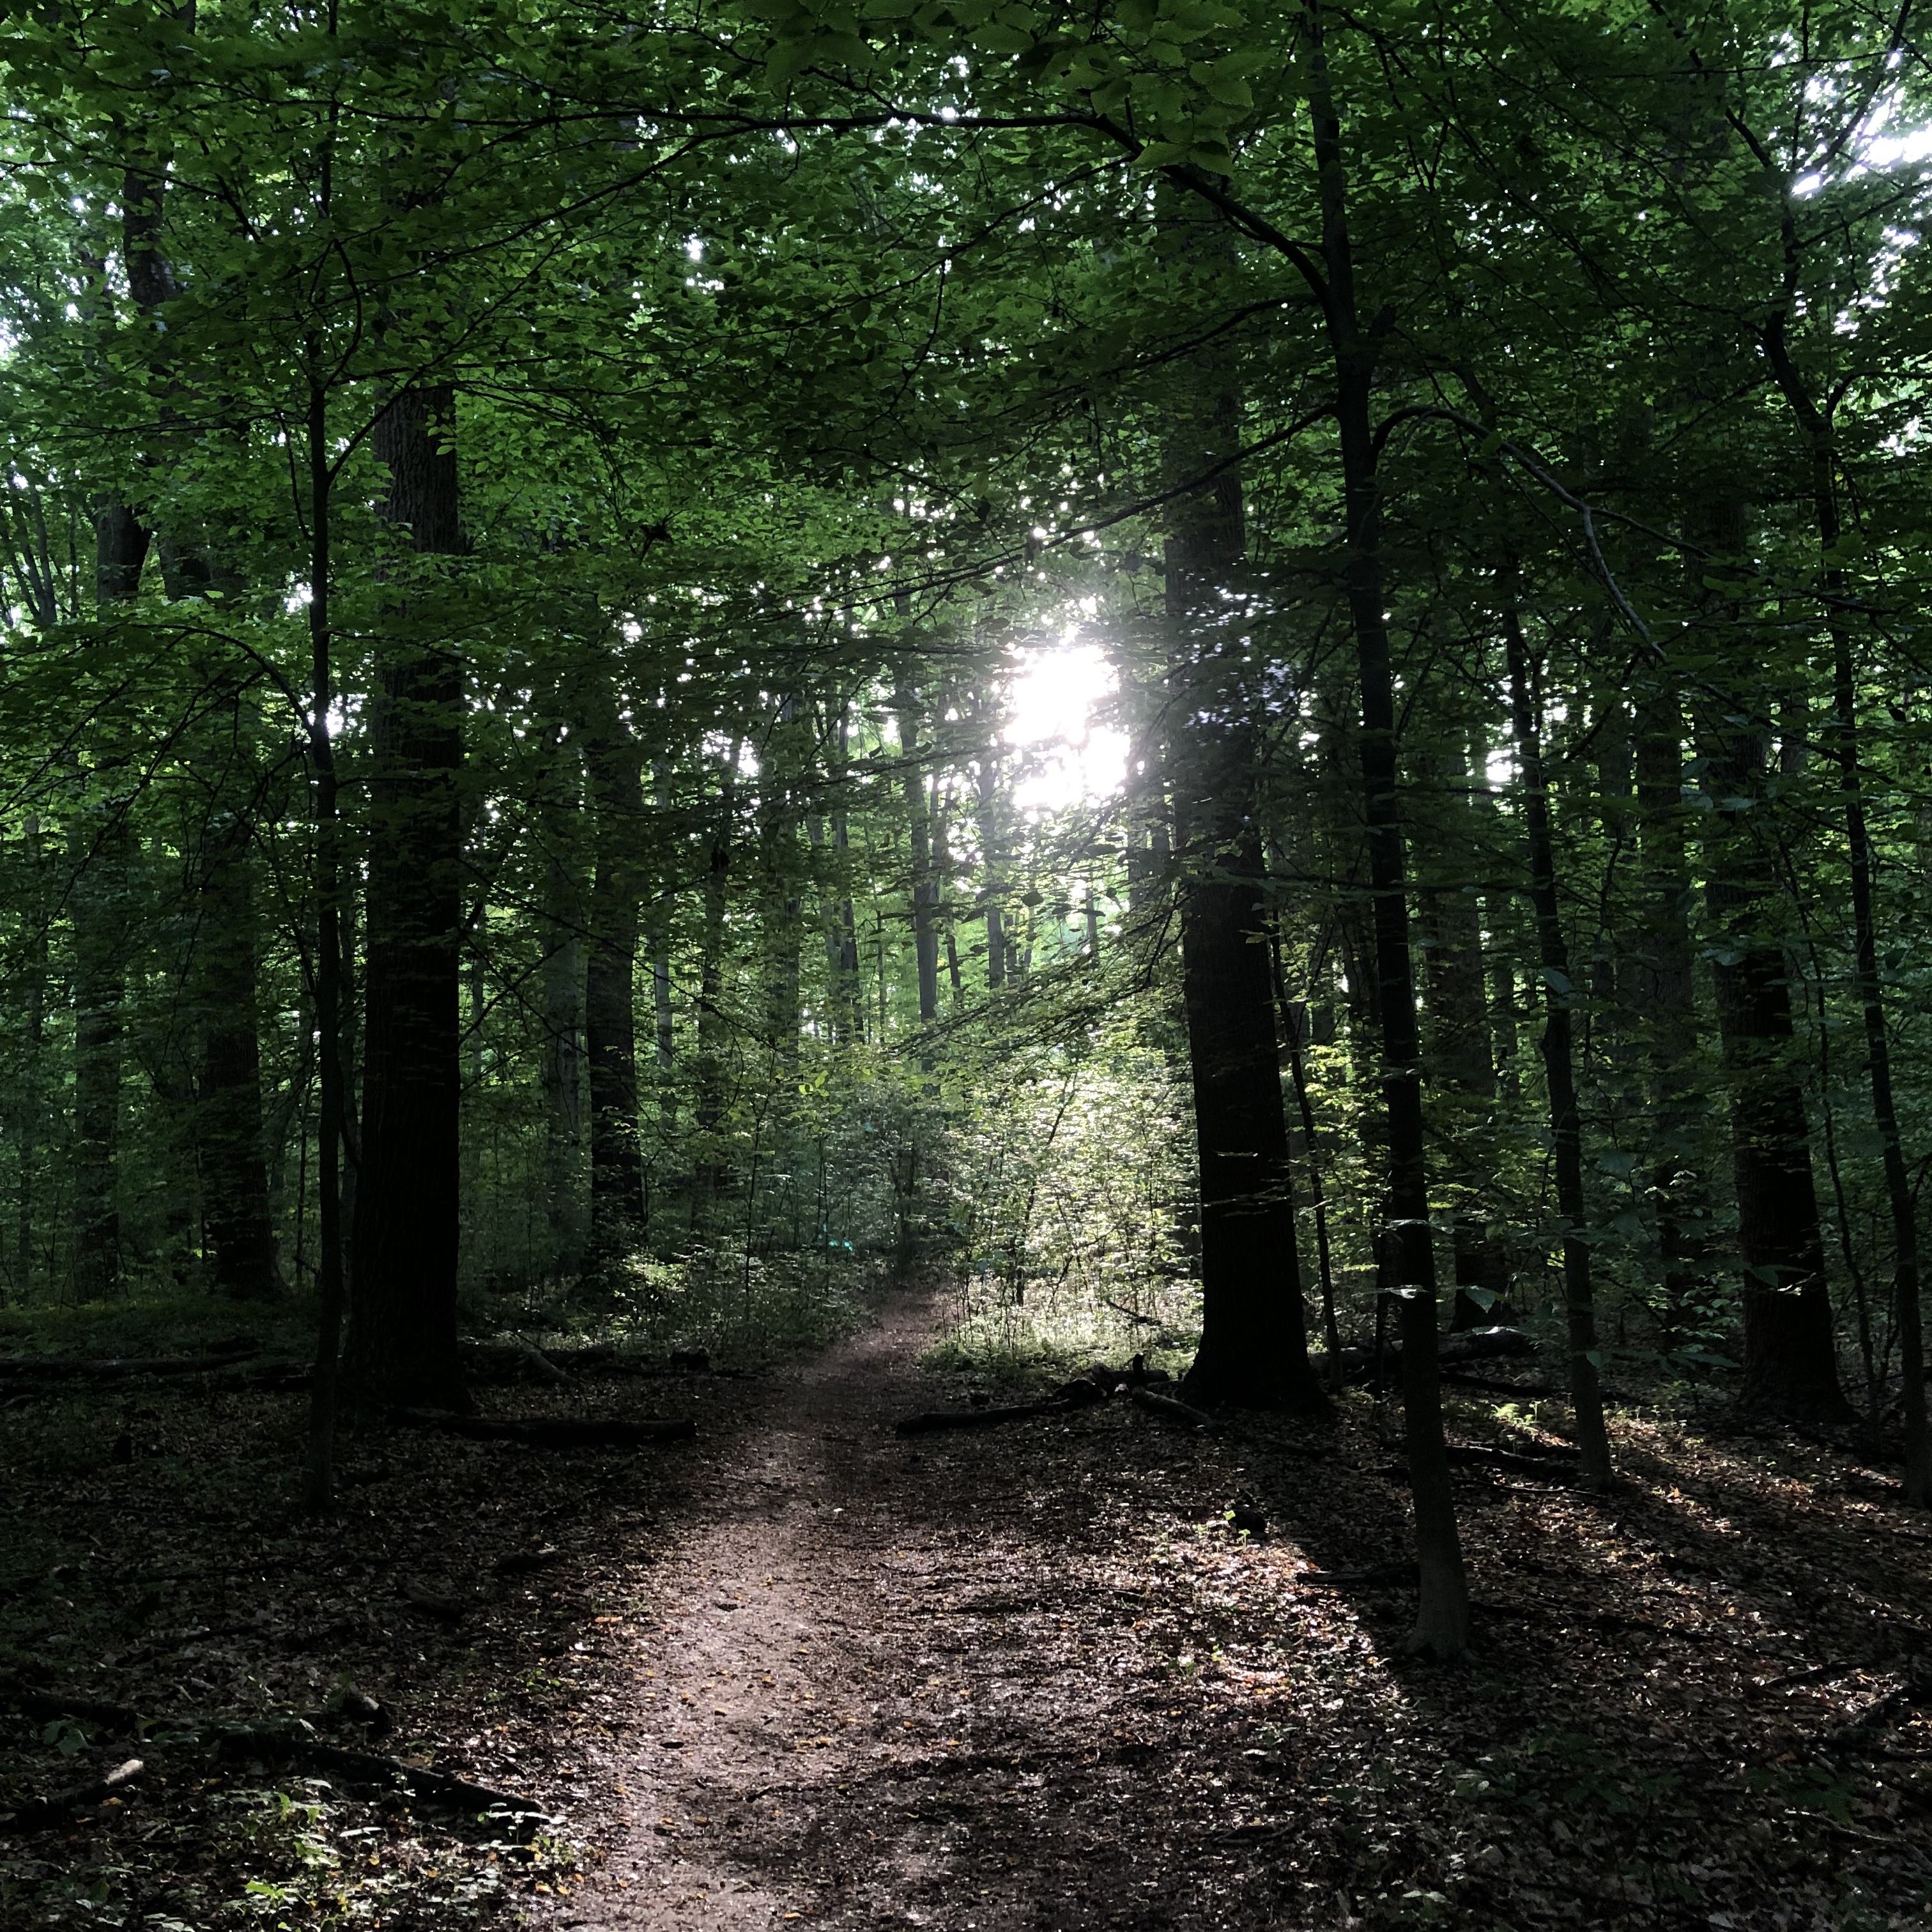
point(1033, 1677)
point(865, 1683)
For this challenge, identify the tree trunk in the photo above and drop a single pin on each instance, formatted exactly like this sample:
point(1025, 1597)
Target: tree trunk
point(99, 987)
point(1566, 1125)
point(30, 1102)
point(1666, 996)
point(100, 846)
point(1790, 1363)
point(992, 846)
point(615, 764)
point(1899, 1197)
point(402, 1336)
point(712, 1174)
point(783, 911)
point(925, 886)
point(561, 1073)
point(662, 900)
point(234, 1167)
point(1406, 1253)
point(1456, 996)
point(841, 929)
point(1254, 1343)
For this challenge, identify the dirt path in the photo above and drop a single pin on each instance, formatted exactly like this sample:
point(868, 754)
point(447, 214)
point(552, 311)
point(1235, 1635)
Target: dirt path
point(1028, 1678)
point(864, 1687)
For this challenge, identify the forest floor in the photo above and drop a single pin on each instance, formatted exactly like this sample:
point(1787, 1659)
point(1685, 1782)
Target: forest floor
point(804, 1670)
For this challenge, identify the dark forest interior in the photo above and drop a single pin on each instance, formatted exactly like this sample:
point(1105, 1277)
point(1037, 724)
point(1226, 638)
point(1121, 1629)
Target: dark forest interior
point(965, 964)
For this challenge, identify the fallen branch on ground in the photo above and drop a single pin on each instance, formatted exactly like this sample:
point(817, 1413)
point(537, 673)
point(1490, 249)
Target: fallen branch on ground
point(416, 1781)
point(1135, 1375)
point(1172, 1408)
point(1553, 1467)
point(62, 1368)
point(1468, 1345)
point(1490, 1385)
point(57, 1804)
point(929, 1420)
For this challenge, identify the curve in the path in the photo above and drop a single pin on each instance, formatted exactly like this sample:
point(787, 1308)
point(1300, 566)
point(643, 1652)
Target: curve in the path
point(884, 1691)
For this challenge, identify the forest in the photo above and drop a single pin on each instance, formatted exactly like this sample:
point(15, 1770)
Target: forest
point(960, 963)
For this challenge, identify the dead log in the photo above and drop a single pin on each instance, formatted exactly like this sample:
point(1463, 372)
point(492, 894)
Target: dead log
point(123, 1368)
point(1490, 1385)
point(513, 1359)
point(1470, 1345)
point(931, 1419)
point(1172, 1408)
point(1135, 1375)
point(56, 1805)
point(61, 1704)
point(1552, 1465)
point(550, 1432)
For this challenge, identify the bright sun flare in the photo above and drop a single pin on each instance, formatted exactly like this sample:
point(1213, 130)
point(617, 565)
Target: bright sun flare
point(1067, 759)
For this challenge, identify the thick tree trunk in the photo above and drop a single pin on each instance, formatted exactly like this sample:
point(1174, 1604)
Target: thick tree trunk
point(234, 1166)
point(615, 763)
point(1900, 1193)
point(402, 1334)
point(1254, 1343)
point(1791, 1365)
point(101, 846)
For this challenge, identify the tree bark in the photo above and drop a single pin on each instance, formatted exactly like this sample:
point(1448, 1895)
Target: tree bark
point(1254, 1343)
point(402, 1337)
point(101, 850)
point(1456, 996)
point(1666, 996)
point(919, 829)
point(614, 762)
point(234, 1166)
point(561, 1073)
point(992, 846)
point(1406, 1253)
point(1790, 1355)
point(1817, 426)
point(712, 1173)
point(1566, 1124)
